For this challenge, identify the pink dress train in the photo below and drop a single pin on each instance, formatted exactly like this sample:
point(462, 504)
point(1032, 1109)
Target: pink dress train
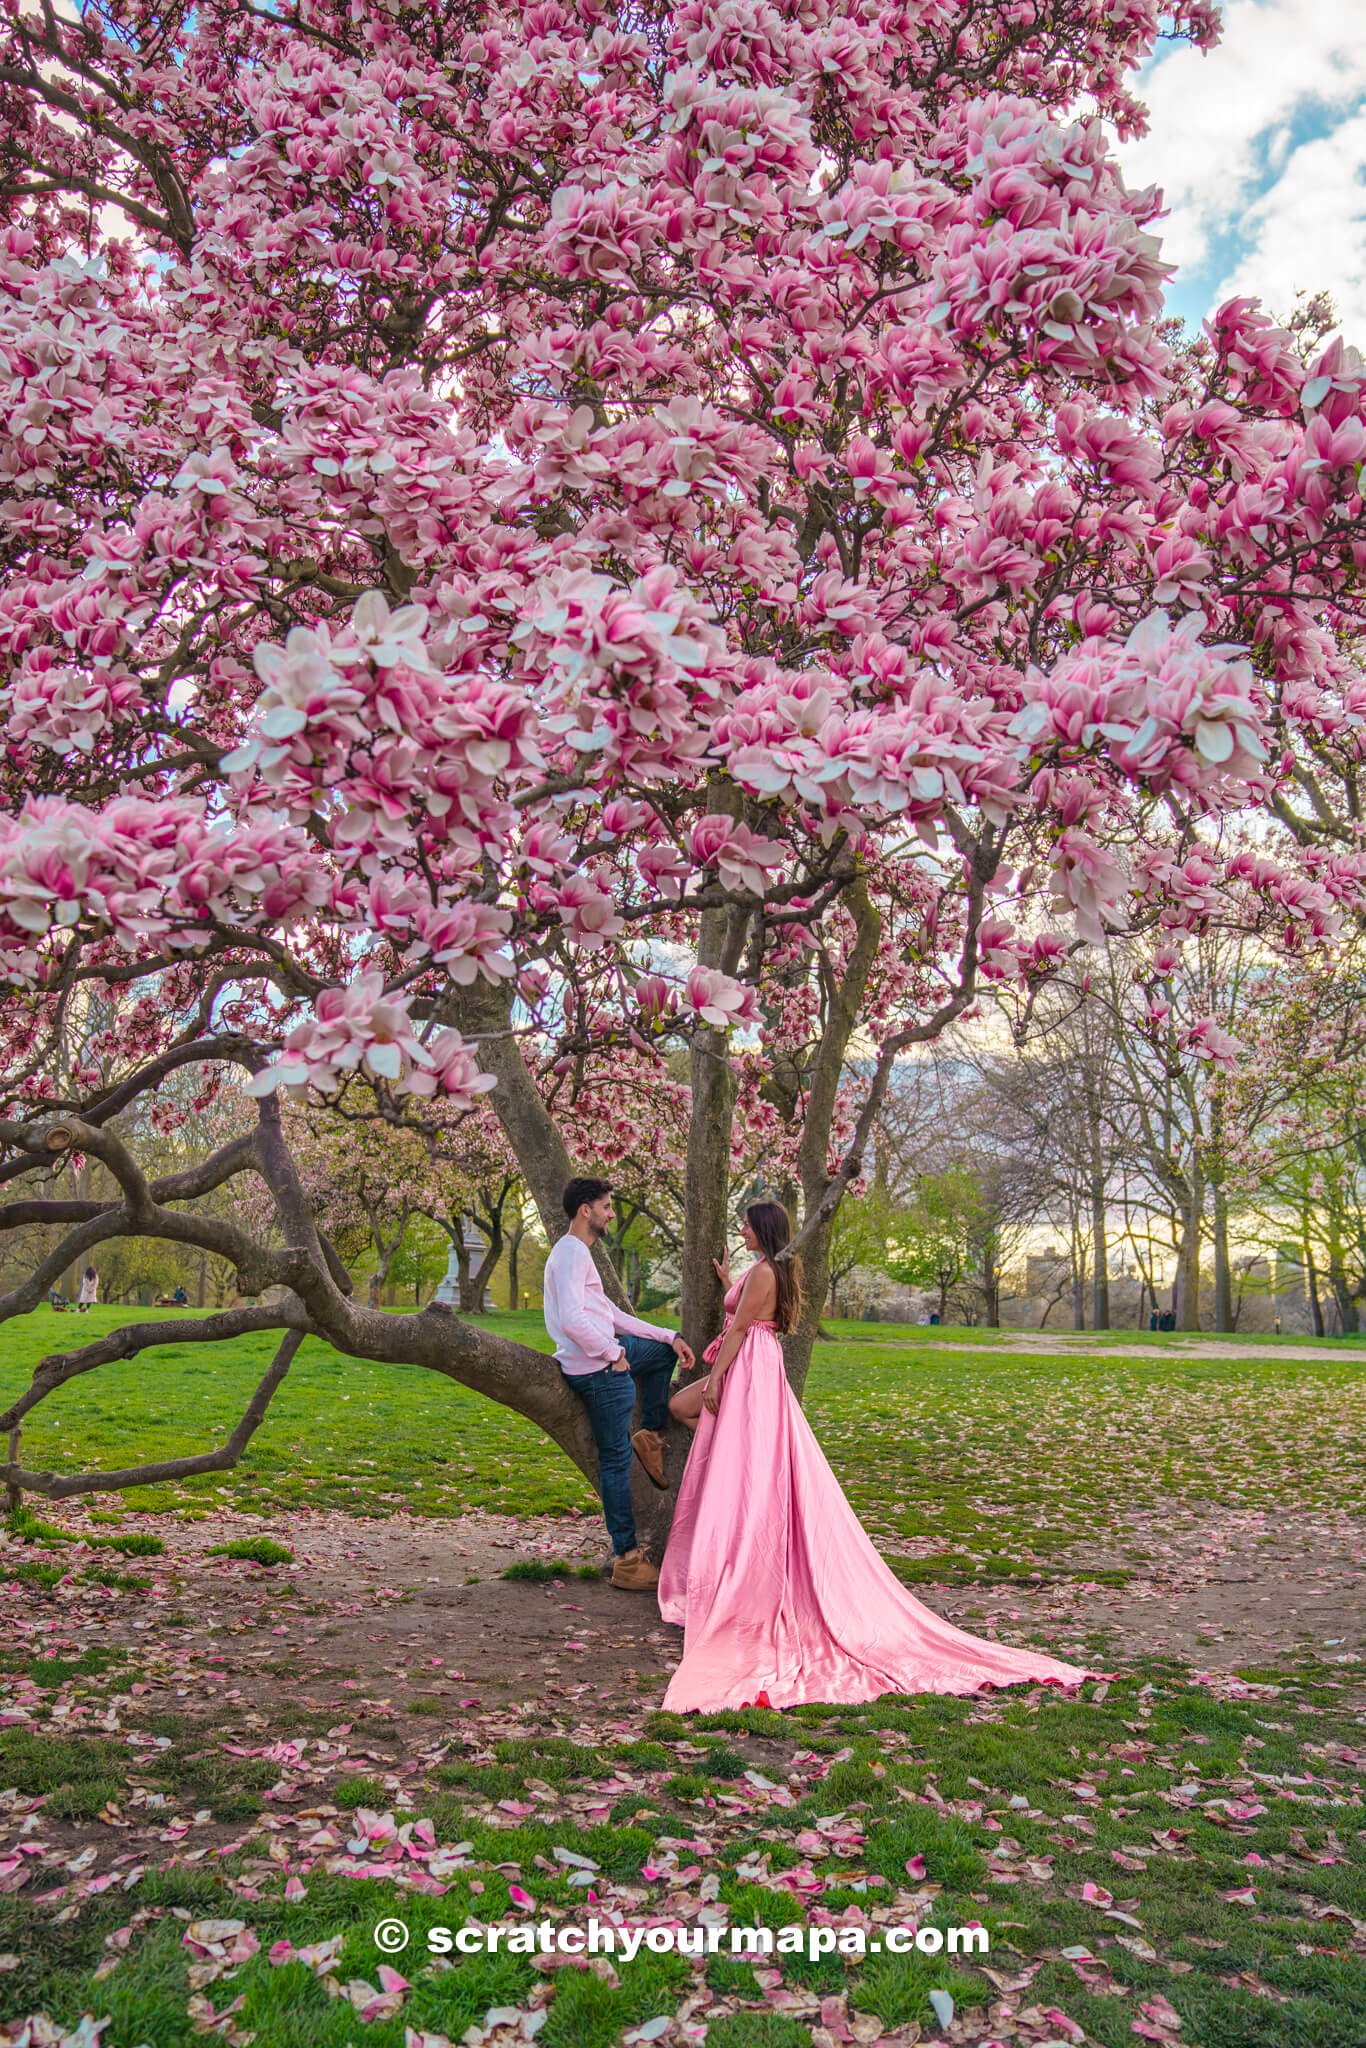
point(782, 1597)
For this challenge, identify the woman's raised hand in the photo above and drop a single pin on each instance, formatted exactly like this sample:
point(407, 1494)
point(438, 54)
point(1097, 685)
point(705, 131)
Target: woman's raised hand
point(722, 1266)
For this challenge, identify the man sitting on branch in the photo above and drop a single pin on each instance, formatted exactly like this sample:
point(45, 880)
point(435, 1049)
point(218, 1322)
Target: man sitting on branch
point(606, 1355)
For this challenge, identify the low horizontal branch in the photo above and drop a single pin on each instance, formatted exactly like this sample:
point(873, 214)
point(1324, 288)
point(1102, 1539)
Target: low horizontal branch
point(126, 1342)
point(62, 1486)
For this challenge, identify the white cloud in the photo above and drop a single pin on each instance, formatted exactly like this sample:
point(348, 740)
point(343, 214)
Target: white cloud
point(1221, 120)
point(1309, 230)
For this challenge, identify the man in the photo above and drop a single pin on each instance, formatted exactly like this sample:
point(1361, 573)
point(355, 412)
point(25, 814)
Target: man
point(605, 1355)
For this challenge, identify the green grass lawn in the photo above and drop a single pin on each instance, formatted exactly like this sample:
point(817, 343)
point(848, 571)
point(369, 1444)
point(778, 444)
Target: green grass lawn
point(1174, 1860)
point(1006, 1458)
point(1160, 1849)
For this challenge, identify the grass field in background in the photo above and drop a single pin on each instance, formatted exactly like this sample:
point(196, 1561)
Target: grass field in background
point(847, 1329)
point(1014, 1456)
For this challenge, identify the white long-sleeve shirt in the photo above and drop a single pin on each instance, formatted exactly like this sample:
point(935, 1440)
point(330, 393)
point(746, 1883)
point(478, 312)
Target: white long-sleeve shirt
point(583, 1322)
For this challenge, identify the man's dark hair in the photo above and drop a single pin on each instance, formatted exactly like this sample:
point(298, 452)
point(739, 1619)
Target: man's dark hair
point(582, 1190)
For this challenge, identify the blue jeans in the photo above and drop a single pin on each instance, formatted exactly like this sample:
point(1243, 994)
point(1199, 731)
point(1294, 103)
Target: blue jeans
point(610, 1398)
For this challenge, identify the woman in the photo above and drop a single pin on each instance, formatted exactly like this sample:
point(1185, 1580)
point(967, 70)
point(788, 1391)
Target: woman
point(781, 1594)
point(90, 1287)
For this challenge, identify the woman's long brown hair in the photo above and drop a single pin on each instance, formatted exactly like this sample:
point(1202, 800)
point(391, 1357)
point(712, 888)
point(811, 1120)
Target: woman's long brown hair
point(772, 1226)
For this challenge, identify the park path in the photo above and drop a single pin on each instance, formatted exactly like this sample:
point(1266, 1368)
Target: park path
point(1065, 1343)
point(416, 1614)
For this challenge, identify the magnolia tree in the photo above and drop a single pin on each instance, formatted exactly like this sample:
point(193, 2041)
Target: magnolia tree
point(532, 536)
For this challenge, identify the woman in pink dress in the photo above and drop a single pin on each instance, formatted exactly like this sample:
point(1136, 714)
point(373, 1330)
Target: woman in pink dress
point(781, 1595)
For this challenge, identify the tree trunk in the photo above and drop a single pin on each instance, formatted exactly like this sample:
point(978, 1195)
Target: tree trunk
point(1224, 1318)
point(1187, 1288)
point(1349, 1308)
point(1147, 1287)
point(1100, 1260)
point(1100, 1256)
point(1348, 1313)
point(1214, 1176)
point(484, 1012)
point(514, 1247)
point(706, 1187)
point(799, 1345)
point(842, 1004)
point(1312, 1282)
point(991, 1285)
point(474, 1284)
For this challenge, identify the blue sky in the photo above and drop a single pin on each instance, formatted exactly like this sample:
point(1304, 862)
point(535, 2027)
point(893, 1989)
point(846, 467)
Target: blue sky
point(1260, 148)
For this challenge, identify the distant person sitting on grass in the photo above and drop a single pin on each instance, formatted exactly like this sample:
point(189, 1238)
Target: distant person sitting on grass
point(605, 1355)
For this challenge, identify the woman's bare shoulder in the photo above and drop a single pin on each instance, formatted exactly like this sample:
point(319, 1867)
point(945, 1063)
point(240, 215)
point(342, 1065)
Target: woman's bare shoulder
point(761, 1285)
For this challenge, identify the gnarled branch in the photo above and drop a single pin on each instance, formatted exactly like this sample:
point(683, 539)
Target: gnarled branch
point(61, 1486)
point(126, 1342)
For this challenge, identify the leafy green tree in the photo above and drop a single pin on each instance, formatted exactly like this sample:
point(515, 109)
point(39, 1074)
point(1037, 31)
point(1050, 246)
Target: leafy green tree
point(938, 1235)
point(420, 1260)
point(864, 1234)
point(138, 1269)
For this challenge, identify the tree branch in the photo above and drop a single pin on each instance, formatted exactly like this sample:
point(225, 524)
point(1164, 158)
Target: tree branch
point(60, 1366)
point(238, 1050)
point(61, 1486)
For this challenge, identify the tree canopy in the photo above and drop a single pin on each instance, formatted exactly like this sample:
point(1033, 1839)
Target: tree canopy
point(535, 544)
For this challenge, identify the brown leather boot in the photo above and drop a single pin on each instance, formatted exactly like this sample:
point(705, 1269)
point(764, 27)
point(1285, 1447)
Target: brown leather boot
point(634, 1573)
point(648, 1446)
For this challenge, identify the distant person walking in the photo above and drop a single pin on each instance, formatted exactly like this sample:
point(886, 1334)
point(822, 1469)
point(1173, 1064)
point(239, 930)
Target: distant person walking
point(90, 1287)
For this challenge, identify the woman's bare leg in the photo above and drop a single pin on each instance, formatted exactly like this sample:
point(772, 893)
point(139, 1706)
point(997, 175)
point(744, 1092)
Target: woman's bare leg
point(686, 1405)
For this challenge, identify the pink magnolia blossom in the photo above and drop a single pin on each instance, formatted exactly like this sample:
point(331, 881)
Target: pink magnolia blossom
point(717, 999)
point(399, 561)
point(359, 1029)
point(1092, 884)
point(1209, 1041)
point(741, 858)
point(1171, 709)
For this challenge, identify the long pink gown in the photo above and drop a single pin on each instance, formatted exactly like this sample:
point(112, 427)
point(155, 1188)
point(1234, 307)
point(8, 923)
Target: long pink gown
point(781, 1595)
